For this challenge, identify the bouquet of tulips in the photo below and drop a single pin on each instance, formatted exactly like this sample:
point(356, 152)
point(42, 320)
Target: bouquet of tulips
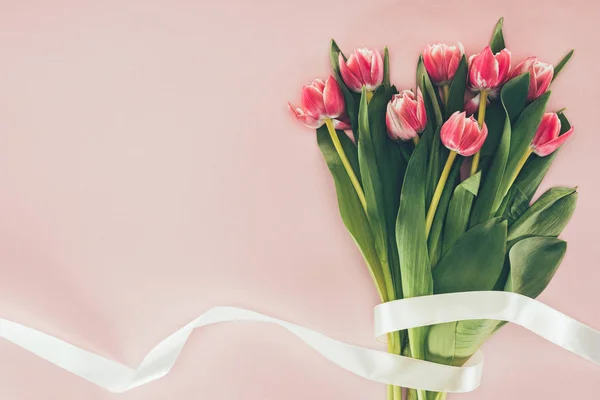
point(436, 185)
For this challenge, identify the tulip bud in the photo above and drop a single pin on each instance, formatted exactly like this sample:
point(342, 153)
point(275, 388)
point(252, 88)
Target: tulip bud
point(319, 101)
point(487, 70)
point(441, 61)
point(540, 76)
point(364, 67)
point(406, 116)
point(547, 137)
point(462, 134)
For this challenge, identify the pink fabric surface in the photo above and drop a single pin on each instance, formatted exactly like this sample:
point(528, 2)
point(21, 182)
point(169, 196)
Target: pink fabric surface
point(149, 170)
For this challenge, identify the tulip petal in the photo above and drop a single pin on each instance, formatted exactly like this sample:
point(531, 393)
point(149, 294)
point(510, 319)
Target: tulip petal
point(350, 79)
point(551, 146)
point(363, 62)
point(342, 123)
point(376, 70)
point(548, 130)
point(452, 130)
point(473, 138)
point(312, 102)
point(483, 71)
point(472, 105)
point(307, 120)
point(430, 65)
point(542, 74)
point(319, 84)
point(333, 98)
point(503, 62)
point(391, 122)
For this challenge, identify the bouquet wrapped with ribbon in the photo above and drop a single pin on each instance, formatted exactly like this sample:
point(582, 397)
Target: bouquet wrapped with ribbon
point(436, 183)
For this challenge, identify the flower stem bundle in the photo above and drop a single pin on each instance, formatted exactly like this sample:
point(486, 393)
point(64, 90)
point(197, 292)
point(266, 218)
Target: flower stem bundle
point(436, 184)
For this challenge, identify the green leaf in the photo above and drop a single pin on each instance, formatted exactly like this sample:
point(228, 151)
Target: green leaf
point(438, 153)
point(437, 158)
point(434, 242)
point(372, 183)
point(519, 203)
point(492, 192)
point(441, 342)
point(351, 99)
point(497, 42)
point(391, 168)
point(513, 101)
point(533, 262)
point(412, 242)
point(547, 216)
point(350, 207)
point(470, 335)
point(486, 200)
point(434, 116)
point(459, 210)
point(474, 262)
point(334, 52)
point(514, 98)
point(495, 117)
point(559, 67)
point(522, 135)
point(456, 96)
point(382, 171)
point(386, 67)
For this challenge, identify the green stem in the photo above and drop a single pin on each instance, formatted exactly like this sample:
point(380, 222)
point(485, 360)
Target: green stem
point(340, 150)
point(438, 192)
point(369, 96)
point(520, 165)
point(390, 388)
point(481, 120)
point(394, 347)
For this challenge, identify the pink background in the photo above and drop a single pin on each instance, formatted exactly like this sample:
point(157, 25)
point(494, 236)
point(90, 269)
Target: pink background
point(149, 170)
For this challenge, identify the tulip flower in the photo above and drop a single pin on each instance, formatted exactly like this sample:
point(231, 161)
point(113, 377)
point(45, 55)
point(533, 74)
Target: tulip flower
point(441, 62)
point(547, 137)
point(406, 117)
point(487, 70)
point(322, 102)
point(546, 141)
point(540, 76)
point(364, 67)
point(461, 135)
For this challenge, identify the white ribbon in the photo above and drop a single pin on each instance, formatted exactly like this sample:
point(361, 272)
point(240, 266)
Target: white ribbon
point(371, 364)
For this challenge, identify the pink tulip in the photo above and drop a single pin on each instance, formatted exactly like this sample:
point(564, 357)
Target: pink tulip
point(540, 76)
point(406, 116)
point(441, 61)
point(462, 134)
point(547, 137)
point(320, 101)
point(487, 70)
point(363, 68)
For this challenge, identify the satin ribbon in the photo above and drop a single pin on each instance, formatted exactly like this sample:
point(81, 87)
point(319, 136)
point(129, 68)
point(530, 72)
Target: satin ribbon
point(368, 363)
